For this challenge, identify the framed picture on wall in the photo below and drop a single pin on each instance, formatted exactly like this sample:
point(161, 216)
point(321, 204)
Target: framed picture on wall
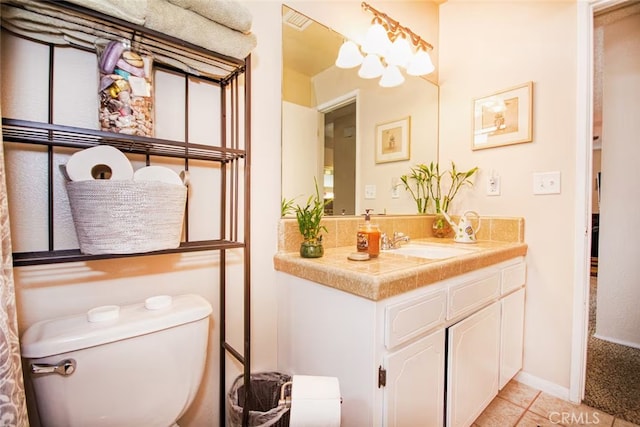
point(393, 140)
point(503, 118)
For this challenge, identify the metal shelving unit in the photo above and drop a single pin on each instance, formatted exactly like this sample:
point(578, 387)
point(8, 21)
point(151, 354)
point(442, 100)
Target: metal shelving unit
point(232, 155)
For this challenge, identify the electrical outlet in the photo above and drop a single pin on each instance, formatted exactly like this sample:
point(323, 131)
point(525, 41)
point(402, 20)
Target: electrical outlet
point(395, 188)
point(395, 193)
point(493, 186)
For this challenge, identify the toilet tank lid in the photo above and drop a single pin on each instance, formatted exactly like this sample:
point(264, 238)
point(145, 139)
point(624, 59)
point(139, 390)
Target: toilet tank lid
point(71, 333)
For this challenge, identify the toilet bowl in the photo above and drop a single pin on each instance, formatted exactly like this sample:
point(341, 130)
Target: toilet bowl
point(135, 365)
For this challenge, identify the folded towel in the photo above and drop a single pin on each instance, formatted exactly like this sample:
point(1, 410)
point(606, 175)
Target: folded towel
point(175, 21)
point(50, 24)
point(229, 13)
point(57, 39)
point(50, 14)
point(43, 23)
point(128, 10)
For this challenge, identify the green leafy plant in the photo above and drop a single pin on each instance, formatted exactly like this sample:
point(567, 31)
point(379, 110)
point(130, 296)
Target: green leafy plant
point(309, 216)
point(426, 185)
point(286, 207)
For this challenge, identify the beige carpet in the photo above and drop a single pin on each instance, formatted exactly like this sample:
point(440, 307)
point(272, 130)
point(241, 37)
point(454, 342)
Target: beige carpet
point(613, 373)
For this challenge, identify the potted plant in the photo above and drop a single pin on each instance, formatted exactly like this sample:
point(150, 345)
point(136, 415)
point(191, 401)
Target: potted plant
point(309, 217)
point(426, 186)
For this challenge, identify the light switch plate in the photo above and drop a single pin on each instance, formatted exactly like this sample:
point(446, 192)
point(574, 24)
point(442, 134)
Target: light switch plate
point(370, 191)
point(546, 183)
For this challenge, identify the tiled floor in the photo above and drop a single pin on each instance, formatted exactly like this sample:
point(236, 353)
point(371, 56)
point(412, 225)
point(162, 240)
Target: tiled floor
point(522, 406)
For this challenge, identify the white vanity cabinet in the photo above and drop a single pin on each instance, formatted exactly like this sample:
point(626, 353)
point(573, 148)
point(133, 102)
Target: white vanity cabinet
point(414, 390)
point(485, 348)
point(473, 365)
point(391, 356)
point(412, 372)
point(512, 335)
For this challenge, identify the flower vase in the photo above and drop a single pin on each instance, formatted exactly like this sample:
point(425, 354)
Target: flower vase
point(441, 227)
point(309, 249)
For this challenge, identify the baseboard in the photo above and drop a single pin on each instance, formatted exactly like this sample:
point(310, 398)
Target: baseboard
point(617, 341)
point(548, 387)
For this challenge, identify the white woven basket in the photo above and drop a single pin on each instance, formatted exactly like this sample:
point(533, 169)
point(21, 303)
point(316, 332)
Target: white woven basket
point(122, 217)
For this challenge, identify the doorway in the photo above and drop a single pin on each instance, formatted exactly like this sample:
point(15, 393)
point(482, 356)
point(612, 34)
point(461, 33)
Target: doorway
point(339, 123)
point(340, 159)
point(612, 364)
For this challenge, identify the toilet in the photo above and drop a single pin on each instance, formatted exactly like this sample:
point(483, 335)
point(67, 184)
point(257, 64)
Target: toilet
point(134, 365)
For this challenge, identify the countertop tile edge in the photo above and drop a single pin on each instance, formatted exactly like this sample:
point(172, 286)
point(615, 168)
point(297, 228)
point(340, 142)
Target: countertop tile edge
point(392, 275)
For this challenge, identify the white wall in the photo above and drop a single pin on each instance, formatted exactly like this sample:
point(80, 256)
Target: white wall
point(486, 47)
point(618, 316)
point(300, 152)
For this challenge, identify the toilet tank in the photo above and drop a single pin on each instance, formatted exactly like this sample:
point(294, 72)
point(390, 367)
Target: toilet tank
point(135, 365)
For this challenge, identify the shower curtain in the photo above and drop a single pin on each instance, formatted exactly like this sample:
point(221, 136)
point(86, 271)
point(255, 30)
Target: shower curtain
point(13, 408)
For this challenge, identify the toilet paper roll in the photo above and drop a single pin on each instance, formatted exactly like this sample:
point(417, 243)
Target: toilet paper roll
point(157, 173)
point(99, 162)
point(315, 401)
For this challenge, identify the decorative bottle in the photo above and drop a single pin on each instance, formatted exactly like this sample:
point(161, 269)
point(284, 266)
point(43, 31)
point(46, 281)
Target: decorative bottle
point(368, 239)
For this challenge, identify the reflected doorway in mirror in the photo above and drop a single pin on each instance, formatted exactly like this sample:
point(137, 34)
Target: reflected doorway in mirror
point(340, 146)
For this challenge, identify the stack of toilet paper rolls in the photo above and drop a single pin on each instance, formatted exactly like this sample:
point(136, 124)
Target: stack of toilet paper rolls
point(116, 210)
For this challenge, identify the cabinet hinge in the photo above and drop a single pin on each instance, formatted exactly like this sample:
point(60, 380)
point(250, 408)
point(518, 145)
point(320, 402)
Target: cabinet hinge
point(382, 377)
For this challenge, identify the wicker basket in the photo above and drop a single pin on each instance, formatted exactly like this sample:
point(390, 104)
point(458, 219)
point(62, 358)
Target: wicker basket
point(122, 217)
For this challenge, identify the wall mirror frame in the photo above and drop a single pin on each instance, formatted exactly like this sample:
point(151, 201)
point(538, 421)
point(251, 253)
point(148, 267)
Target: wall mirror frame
point(329, 118)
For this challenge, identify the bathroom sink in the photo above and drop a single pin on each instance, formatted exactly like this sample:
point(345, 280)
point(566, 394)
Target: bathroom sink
point(429, 251)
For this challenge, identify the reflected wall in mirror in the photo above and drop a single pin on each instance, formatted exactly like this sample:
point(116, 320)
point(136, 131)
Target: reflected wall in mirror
point(329, 118)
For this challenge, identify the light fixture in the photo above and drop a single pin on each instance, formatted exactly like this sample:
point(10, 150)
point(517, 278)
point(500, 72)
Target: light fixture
point(391, 77)
point(349, 55)
point(420, 64)
point(371, 67)
point(376, 40)
point(387, 47)
point(400, 52)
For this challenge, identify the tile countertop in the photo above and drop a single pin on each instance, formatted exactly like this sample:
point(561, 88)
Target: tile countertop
point(390, 273)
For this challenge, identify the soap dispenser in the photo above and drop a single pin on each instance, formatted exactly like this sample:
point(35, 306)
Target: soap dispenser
point(368, 236)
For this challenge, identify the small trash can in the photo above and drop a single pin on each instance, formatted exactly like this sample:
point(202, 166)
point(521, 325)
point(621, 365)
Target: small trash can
point(264, 407)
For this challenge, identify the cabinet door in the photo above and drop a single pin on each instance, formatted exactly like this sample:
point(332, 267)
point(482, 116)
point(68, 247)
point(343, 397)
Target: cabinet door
point(473, 364)
point(414, 394)
point(512, 335)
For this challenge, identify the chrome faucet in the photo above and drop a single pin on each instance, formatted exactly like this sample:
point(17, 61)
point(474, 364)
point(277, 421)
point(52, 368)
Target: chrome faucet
point(394, 242)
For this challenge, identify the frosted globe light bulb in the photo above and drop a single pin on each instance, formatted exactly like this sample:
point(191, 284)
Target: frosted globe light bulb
point(376, 40)
point(371, 67)
point(420, 64)
point(400, 52)
point(349, 55)
point(391, 77)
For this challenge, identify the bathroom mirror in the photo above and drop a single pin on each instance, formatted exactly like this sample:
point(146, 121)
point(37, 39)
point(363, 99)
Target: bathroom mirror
point(333, 121)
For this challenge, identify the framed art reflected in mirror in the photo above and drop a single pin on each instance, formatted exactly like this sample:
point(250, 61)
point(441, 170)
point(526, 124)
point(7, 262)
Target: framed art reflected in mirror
point(393, 141)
